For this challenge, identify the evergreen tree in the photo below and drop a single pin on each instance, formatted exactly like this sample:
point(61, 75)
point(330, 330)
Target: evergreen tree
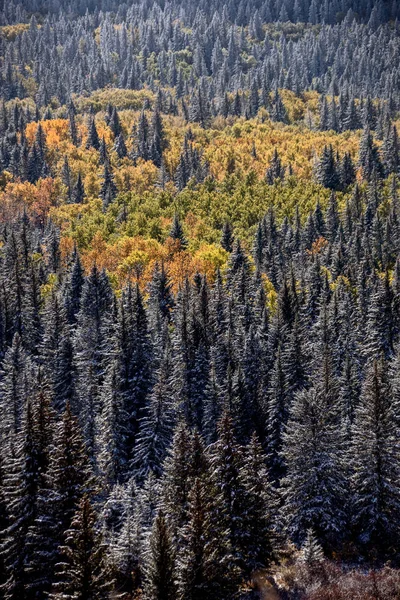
point(26, 465)
point(92, 140)
point(73, 130)
point(142, 136)
point(82, 572)
point(226, 463)
point(313, 488)
point(391, 152)
point(120, 147)
point(78, 193)
point(155, 432)
point(369, 157)
point(203, 562)
point(374, 463)
point(275, 171)
point(326, 170)
point(227, 237)
point(160, 578)
point(176, 232)
point(108, 190)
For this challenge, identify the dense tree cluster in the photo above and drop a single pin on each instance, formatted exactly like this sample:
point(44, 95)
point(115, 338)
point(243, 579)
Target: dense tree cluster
point(199, 299)
point(212, 58)
point(176, 441)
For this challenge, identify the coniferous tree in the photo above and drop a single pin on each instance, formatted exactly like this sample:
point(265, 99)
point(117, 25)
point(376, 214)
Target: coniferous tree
point(369, 157)
point(92, 140)
point(275, 171)
point(120, 146)
point(203, 561)
point(26, 465)
point(326, 170)
point(313, 488)
point(160, 578)
point(78, 193)
point(108, 190)
point(73, 130)
point(177, 233)
point(62, 488)
point(226, 462)
point(227, 237)
point(391, 152)
point(82, 571)
point(156, 424)
point(374, 463)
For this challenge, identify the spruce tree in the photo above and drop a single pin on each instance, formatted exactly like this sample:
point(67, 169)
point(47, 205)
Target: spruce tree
point(82, 571)
point(227, 237)
point(177, 233)
point(314, 487)
point(92, 140)
point(108, 191)
point(326, 170)
point(78, 193)
point(156, 424)
point(374, 462)
point(160, 577)
point(203, 561)
point(369, 156)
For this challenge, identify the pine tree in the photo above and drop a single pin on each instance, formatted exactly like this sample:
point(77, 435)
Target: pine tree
point(391, 151)
point(82, 572)
point(114, 123)
point(156, 425)
point(108, 191)
point(73, 131)
point(347, 173)
point(120, 147)
point(158, 142)
point(134, 351)
point(90, 345)
point(203, 560)
point(93, 140)
point(260, 509)
point(226, 463)
point(66, 178)
point(15, 386)
point(72, 287)
point(311, 552)
point(374, 462)
point(160, 578)
point(65, 482)
point(112, 430)
point(177, 233)
point(369, 157)
point(78, 193)
point(313, 489)
point(142, 136)
point(326, 170)
point(57, 352)
point(161, 299)
point(176, 480)
point(278, 112)
point(227, 237)
point(199, 110)
point(275, 171)
point(26, 464)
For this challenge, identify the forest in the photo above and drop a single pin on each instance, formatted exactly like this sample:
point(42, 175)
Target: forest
point(199, 300)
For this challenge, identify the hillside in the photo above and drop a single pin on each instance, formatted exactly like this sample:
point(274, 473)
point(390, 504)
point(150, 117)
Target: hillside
point(199, 300)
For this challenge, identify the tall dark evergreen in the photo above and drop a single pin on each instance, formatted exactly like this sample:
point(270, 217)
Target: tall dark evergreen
point(92, 140)
point(82, 570)
point(374, 462)
point(108, 191)
point(160, 577)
